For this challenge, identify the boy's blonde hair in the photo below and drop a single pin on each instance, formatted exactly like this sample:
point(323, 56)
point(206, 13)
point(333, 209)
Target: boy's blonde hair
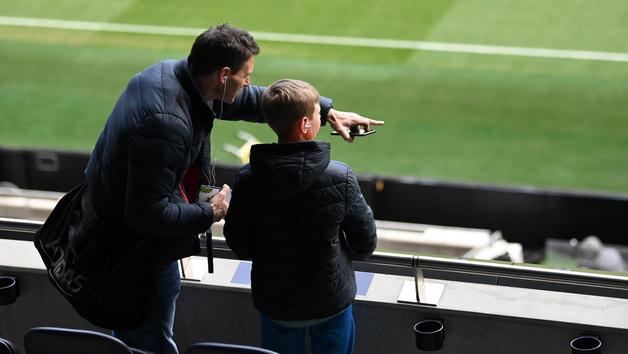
point(286, 101)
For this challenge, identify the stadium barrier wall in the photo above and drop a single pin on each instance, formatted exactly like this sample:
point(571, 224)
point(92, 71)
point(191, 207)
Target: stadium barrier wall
point(479, 318)
point(525, 215)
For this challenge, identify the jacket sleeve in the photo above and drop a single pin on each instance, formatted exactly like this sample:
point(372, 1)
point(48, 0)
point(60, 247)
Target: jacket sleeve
point(156, 153)
point(237, 230)
point(359, 224)
point(248, 106)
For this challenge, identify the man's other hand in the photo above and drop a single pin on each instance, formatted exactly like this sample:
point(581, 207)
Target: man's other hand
point(220, 203)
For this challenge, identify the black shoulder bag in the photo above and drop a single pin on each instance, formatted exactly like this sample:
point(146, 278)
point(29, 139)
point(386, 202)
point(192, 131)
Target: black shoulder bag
point(106, 276)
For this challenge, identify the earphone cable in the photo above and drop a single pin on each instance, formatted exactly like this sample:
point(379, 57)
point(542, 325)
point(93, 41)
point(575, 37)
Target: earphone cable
point(212, 172)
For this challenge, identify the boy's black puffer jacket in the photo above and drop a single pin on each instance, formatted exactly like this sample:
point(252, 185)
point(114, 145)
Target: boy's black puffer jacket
point(302, 219)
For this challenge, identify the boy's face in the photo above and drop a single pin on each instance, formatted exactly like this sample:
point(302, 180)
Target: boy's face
point(315, 122)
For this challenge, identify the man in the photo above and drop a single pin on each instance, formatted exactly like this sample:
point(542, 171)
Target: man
point(153, 153)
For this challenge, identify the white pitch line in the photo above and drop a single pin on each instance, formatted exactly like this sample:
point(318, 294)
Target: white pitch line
point(329, 40)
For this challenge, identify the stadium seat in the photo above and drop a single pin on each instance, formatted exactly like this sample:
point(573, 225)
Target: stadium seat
point(7, 347)
point(222, 348)
point(54, 340)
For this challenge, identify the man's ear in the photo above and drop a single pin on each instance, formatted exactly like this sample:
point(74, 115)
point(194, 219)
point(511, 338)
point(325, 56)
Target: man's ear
point(223, 74)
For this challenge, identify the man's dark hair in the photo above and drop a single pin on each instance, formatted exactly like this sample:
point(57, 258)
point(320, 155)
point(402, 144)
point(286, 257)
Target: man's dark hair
point(221, 46)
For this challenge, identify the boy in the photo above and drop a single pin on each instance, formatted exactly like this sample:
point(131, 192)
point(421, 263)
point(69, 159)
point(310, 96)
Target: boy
point(302, 219)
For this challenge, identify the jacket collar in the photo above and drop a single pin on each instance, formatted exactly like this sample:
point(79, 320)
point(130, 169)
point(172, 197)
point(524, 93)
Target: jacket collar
point(184, 76)
point(293, 167)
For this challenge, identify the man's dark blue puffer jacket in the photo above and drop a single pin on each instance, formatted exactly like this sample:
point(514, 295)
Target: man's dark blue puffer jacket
point(157, 130)
point(301, 218)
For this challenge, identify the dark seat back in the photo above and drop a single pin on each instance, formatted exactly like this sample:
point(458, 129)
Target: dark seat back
point(7, 347)
point(222, 348)
point(52, 340)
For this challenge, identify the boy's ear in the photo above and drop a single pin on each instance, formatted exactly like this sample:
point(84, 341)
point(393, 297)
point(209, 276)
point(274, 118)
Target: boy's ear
point(304, 125)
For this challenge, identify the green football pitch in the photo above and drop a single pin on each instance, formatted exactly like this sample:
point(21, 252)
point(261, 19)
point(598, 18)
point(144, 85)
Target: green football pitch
point(531, 117)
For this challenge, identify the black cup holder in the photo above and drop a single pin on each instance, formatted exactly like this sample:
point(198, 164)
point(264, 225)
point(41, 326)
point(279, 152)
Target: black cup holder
point(586, 345)
point(429, 334)
point(9, 290)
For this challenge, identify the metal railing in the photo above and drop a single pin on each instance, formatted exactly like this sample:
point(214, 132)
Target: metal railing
point(496, 273)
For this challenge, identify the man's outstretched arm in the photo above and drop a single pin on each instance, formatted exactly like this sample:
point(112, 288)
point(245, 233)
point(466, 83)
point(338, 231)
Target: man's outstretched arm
point(248, 106)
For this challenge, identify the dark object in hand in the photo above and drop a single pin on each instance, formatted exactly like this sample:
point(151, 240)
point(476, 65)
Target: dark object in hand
point(357, 130)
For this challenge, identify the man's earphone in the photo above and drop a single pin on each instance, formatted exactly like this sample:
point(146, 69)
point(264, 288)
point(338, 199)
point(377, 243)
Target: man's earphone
point(307, 125)
point(224, 92)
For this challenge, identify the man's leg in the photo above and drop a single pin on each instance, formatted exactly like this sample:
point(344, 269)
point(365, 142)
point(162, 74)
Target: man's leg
point(282, 339)
point(155, 334)
point(334, 336)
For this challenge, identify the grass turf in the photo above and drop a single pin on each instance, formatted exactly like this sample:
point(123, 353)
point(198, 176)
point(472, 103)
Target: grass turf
point(479, 118)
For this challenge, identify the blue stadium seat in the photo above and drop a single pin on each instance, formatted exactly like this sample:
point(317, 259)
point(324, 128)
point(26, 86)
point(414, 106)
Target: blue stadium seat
point(222, 348)
point(7, 347)
point(54, 340)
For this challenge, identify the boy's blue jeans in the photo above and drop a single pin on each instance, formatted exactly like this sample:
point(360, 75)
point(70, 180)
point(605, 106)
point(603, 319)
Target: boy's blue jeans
point(334, 336)
point(155, 334)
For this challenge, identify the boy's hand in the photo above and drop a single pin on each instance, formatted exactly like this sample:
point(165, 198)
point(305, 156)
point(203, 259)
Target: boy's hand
point(343, 121)
point(220, 203)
